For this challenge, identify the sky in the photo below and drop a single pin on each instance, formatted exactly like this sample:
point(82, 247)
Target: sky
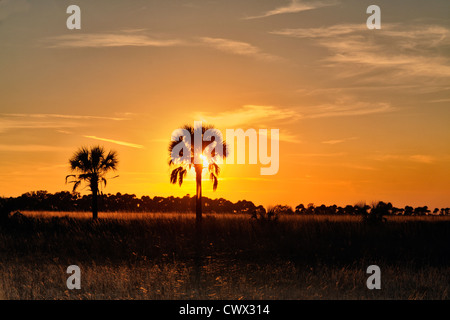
point(363, 114)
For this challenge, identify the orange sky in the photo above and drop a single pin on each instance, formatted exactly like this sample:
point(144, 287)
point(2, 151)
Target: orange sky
point(363, 114)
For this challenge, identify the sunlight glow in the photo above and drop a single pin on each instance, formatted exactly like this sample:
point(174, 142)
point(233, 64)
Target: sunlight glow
point(205, 161)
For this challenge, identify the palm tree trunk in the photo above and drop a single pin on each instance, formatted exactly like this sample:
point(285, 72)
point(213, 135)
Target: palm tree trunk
point(94, 189)
point(198, 200)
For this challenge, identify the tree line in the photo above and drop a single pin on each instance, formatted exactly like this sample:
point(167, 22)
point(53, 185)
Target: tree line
point(74, 201)
point(380, 207)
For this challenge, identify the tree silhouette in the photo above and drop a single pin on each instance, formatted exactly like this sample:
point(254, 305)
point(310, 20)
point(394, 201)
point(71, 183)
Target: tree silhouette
point(91, 166)
point(180, 168)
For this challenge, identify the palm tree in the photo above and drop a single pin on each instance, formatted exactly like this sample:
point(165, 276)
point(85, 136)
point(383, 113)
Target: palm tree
point(92, 165)
point(180, 169)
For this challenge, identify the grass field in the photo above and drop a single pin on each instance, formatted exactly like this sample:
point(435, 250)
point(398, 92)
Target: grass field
point(161, 256)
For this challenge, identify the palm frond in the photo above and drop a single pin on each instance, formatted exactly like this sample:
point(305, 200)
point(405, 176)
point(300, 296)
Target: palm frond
point(76, 184)
point(214, 167)
point(96, 156)
point(70, 176)
point(80, 160)
point(181, 174)
point(109, 162)
point(103, 180)
point(214, 180)
point(174, 175)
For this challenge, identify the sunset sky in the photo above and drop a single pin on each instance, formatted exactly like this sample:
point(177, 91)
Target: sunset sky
point(363, 114)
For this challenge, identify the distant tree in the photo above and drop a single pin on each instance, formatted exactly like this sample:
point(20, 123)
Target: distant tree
point(310, 208)
point(349, 209)
point(420, 211)
point(409, 211)
point(397, 211)
point(361, 208)
point(377, 213)
point(91, 166)
point(300, 208)
point(270, 215)
point(282, 209)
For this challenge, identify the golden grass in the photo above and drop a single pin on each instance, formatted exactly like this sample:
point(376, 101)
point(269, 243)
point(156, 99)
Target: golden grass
point(176, 215)
point(153, 256)
point(252, 282)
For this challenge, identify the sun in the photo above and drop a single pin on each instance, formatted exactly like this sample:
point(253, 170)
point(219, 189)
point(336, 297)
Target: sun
point(205, 160)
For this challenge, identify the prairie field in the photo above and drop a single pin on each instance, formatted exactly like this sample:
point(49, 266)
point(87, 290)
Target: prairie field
point(164, 256)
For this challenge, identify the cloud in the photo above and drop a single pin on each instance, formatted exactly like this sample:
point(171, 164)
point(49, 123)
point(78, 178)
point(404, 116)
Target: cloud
point(320, 155)
point(253, 116)
point(439, 100)
point(100, 40)
point(31, 148)
point(402, 51)
point(122, 143)
point(8, 124)
point(336, 141)
point(258, 116)
point(248, 115)
point(135, 38)
point(295, 6)
point(62, 116)
point(238, 48)
point(283, 136)
point(420, 158)
point(10, 121)
point(344, 108)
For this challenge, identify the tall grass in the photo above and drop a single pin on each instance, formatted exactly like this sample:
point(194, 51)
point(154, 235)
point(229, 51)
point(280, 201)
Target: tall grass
point(160, 256)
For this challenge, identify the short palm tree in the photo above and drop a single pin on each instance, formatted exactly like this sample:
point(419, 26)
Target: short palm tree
point(91, 166)
point(180, 169)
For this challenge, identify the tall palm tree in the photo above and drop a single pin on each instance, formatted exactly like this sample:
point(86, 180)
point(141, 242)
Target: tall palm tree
point(180, 169)
point(92, 165)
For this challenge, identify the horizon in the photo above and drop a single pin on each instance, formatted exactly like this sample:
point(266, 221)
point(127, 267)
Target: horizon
point(362, 114)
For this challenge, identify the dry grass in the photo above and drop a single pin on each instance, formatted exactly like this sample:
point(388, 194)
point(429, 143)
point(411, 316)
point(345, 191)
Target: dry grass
point(155, 256)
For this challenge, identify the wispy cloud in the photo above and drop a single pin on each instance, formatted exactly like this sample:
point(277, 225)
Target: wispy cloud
point(337, 141)
point(295, 6)
point(420, 158)
point(238, 48)
point(61, 116)
point(253, 116)
point(283, 136)
point(319, 155)
point(343, 109)
point(99, 40)
point(60, 122)
point(122, 143)
point(258, 116)
point(401, 50)
point(439, 100)
point(31, 148)
point(248, 115)
point(135, 38)
point(10, 124)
